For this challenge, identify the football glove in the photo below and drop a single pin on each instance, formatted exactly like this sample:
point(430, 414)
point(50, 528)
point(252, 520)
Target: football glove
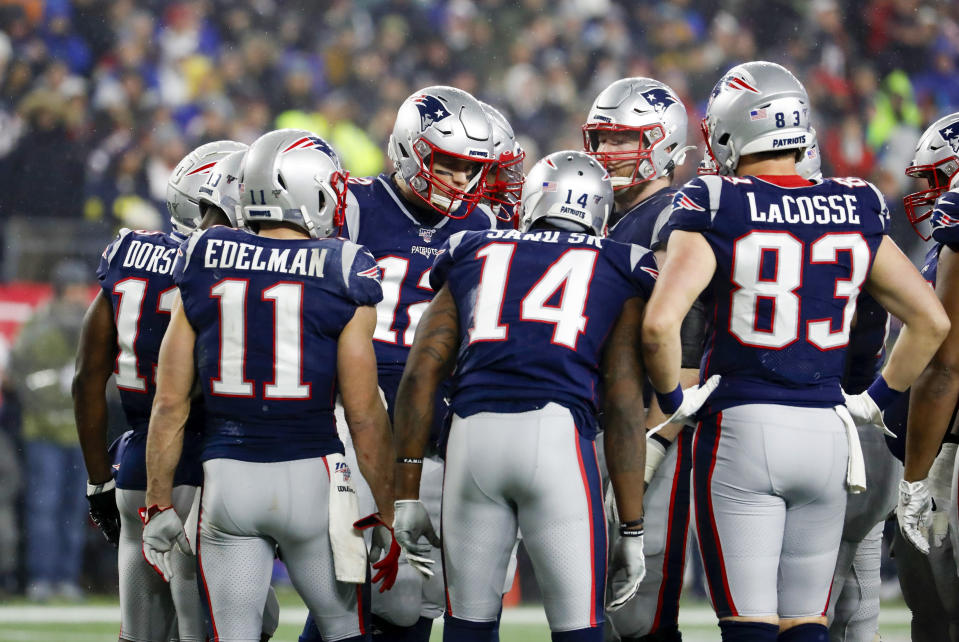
point(103, 509)
point(383, 540)
point(940, 487)
point(914, 512)
point(627, 568)
point(864, 411)
point(693, 399)
point(411, 521)
point(162, 530)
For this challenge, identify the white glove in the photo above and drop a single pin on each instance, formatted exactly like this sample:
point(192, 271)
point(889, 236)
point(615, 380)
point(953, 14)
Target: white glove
point(693, 399)
point(626, 569)
point(655, 453)
point(940, 487)
point(411, 521)
point(864, 412)
point(161, 532)
point(914, 512)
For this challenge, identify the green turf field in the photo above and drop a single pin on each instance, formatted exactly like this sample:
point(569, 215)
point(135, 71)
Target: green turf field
point(97, 621)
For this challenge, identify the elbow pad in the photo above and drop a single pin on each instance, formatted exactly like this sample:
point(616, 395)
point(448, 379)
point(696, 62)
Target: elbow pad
point(692, 336)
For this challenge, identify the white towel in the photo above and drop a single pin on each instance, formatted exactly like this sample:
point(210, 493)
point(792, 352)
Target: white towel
point(349, 549)
point(856, 467)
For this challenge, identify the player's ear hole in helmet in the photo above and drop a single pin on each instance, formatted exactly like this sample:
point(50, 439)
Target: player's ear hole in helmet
point(567, 190)
point(293, 177)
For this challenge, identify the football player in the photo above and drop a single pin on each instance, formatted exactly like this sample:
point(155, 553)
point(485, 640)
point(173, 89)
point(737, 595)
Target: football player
point(526, 317)
point(268, 393)
point(442, 149)
point(929, 583)
point(636, 129)
point(504, 182)
point(121, 335)
point(785, 259)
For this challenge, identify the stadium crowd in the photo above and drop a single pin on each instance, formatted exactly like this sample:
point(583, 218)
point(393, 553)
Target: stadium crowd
point(100, 99)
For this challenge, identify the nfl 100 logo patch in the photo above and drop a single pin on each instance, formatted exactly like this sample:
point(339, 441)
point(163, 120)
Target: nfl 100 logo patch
point(426, 233)
point(342, 469)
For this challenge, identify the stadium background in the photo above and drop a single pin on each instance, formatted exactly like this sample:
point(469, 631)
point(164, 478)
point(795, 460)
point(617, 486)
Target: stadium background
point(99, 99)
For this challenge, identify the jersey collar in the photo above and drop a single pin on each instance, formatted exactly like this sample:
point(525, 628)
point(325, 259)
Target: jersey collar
point(785, 180)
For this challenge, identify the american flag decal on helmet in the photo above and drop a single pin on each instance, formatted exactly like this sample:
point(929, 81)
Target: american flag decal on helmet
point(687, 203)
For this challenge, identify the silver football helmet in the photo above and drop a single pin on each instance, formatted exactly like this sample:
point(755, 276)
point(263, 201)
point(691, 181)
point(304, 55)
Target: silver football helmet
point(655, 113)
point(222, 186)
point(504, 183)
point(442, 120)
point(182, 189)
point(755, 107)
point(810, 165)
point(293, 176)
point(937, 161)
point(567, 187)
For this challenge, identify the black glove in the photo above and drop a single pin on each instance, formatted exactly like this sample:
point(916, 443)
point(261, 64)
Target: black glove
point(104, 511)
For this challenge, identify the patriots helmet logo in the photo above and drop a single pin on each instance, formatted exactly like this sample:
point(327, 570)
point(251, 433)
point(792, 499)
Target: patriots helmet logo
point(950, 134)
point(659, 98)
point(431, 109)
point(310, 142)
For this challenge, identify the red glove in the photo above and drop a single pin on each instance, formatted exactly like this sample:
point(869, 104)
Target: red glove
point(383, 540)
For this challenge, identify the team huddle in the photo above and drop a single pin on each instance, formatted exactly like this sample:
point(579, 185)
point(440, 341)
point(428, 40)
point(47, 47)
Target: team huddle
point(390, 382)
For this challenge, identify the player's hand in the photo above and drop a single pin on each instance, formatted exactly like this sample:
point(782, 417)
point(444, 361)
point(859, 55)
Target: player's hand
point(162, 530)
point(914, 513)
point(411, 521)
point(940, 488)
point(627, 568)
point(693, 399)
point(383, 540)
point(104, 511)
point(864, 411)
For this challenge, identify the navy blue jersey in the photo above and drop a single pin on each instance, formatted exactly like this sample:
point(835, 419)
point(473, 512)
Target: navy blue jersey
point(136, 274)
point(645, 224)
point(896, 415)
point(404, 249)
point(945, 220)
point(534, 313)
point(268, 314)
point(790, 263)
point(867, 343)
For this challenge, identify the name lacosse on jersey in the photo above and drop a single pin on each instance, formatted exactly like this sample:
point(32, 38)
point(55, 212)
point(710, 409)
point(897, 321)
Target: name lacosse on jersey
point(379, 219)
point(792, 258)
point(535, 309)
point(136, 273)
point(268, 314)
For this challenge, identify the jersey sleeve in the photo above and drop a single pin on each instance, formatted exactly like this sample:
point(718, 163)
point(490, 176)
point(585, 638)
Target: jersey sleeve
point(877, 222)
point(191, 247)
point(661, 229)
point(643, 269)
point(444, 261)
point(694, 206)
point(109, 254)
point(945, 220)
point(361, 275)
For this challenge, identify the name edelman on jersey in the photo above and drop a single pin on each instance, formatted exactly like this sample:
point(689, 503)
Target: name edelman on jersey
point(819, 209)
point(244, 256)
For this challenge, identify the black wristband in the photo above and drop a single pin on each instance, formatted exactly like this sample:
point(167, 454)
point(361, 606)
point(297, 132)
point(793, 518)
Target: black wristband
point(662, 440)
point(409, 460)
point(632, 524)
point(630, 532)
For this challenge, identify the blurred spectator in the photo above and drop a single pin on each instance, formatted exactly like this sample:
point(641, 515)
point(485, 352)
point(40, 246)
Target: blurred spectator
point(55, 507)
